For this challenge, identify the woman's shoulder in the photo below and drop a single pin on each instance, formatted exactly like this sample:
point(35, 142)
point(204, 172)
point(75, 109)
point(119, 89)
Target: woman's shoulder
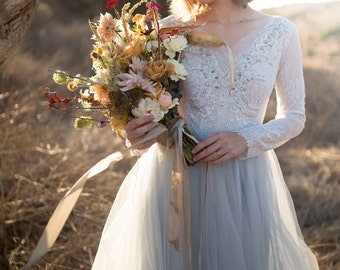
point(172, 21)
point(284, 23)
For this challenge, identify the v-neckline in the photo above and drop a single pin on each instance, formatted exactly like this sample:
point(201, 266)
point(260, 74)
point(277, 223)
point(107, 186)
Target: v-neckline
point(258, 29)
point(250, 33)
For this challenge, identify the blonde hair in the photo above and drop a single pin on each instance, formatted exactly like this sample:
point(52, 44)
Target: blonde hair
point(187, 10)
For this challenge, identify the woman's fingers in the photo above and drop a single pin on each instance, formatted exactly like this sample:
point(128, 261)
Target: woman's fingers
point(138, 127)
point(220, 147)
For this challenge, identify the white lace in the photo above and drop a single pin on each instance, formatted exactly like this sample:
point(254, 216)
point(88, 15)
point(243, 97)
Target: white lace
point(268, 56)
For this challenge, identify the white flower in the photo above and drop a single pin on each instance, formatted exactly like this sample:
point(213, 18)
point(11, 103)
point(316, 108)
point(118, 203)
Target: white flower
point(149, 106)
point(102, 76)
point(84, 96)
point(131, 80)
point(174, 44)
point(180, 72)
point(151, 44)
point(137, 65)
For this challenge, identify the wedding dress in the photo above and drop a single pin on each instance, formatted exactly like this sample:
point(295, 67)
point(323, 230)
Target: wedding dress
point(242, 215)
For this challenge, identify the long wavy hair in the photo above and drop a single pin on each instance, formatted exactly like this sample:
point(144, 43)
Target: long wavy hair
point(187, 10)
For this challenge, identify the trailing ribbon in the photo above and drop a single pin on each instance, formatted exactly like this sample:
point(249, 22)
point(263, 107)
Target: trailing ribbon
point(179, 216)
point(64, 208)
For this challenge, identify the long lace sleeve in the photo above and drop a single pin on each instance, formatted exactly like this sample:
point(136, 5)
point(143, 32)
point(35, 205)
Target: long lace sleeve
point(290, 96)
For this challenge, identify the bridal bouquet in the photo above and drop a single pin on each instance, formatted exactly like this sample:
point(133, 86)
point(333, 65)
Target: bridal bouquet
point(137, 71)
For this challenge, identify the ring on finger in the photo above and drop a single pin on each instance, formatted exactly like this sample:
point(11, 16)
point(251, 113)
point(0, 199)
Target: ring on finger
point(219, 154)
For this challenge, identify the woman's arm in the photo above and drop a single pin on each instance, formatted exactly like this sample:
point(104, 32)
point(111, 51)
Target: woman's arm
point(288, 123)
point(290, 115)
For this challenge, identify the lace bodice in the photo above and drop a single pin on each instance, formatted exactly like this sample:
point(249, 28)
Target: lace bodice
point(268, 56)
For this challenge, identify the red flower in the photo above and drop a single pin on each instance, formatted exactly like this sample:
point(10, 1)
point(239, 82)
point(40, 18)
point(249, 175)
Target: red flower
point(174, 32)
point(54, 100)
point(155, 7)
point(109, 3)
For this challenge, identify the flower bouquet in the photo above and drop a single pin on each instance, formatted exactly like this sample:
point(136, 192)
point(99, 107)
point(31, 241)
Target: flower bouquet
point(137, 72)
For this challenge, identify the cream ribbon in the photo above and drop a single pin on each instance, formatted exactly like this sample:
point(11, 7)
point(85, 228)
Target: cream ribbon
point(179, 216)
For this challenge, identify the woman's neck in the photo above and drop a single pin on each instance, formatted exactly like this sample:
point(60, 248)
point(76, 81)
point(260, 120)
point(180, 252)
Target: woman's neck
point(226, 13)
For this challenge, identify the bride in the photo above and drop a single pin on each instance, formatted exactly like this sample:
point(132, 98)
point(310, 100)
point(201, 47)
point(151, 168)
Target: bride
point(239, 214)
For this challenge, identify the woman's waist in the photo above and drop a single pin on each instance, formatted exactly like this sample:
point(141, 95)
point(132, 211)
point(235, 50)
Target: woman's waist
point(204, 128)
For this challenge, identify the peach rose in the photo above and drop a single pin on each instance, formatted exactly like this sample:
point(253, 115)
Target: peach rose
point(158, 70)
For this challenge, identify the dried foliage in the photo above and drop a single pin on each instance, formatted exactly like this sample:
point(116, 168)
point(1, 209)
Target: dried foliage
point(41, 156)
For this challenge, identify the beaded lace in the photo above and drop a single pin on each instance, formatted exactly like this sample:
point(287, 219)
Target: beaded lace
point(268, 56)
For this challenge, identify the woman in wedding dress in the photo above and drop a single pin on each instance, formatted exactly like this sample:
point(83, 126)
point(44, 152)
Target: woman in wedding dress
point(241, 213)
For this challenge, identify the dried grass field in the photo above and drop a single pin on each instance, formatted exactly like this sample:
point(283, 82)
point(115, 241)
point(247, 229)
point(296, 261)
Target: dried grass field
point(41, 156)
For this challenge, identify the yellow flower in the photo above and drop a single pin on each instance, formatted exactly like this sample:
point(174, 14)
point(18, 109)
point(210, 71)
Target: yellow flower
point(118, 123)
point(72, 86)
point(135, 48)
point(139, 20)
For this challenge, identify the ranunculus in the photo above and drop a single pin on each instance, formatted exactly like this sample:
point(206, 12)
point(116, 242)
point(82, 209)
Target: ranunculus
point(180, 73)
point(165, 99)
point(174, 44)
point(158, 70)
point(149, 106)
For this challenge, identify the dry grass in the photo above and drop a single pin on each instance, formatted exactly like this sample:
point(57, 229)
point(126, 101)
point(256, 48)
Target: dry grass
point(41, 155)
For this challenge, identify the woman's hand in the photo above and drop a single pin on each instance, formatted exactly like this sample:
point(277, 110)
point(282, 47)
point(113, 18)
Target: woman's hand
point(220, 147)
point(137, 128)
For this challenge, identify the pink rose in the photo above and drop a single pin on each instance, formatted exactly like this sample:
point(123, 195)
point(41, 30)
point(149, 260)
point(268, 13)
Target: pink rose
point(165, 100)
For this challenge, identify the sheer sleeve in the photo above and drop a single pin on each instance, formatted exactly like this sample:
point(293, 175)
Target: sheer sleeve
point(290, 96)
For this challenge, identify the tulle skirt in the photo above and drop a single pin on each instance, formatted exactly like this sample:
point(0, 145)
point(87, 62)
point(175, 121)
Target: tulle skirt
point(242, 218)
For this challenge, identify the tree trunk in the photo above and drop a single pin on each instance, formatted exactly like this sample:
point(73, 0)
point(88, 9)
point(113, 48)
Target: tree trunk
point(15, 18)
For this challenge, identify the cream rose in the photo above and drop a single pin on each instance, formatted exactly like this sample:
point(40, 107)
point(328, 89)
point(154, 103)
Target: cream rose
point(149, 106)
point(180, 73)
point(174, 44)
